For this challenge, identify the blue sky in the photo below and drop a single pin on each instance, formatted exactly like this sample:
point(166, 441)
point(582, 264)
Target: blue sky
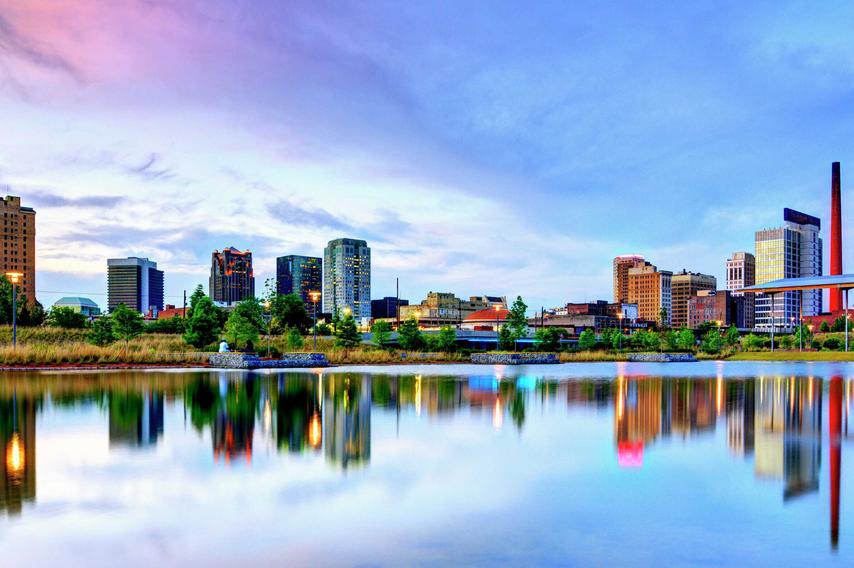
point(479, 147)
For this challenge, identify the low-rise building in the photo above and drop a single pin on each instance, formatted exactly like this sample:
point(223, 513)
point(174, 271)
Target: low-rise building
point(80, 305)
point(445, 308)
point(486, 320)
point(717, 306)
point(386, 307)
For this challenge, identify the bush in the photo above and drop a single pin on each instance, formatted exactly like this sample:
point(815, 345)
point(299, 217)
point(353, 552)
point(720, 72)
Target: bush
point(824, 327)
point(347, 335)
point(102, 332)
point(381, 331)
point(409, 337)
point(587, 340)
point(66, 318)
point(294, 339)
point(752, 342)
point(548, 338)
point(832, 343)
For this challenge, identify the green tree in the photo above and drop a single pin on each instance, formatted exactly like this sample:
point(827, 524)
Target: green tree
point(803, 335)
point(101, 333)
point(753, 342)
point(295, 339)
point(173, 325)
point(832, 343)
point(713, 342)
point(446, 339)
point(662, 316)
point(517, 319)
point(838, 324)
point(203, 324)
point(288, 310)
point(347, 335)
point(506, 341)
point(245, 322)
point(127, 323)
point(647, 340)
point(619, 341)
point(6, 300)
point(587, 340)
point(671, 340)
point(409, 337)
point(380, 333)
point(66, 318)
point(324, 329)
point(732, 336)
point(548, 338)
point(824, 327)
point(685, 340)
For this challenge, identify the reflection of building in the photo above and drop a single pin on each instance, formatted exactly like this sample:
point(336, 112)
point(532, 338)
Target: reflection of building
point(136, 420)
point(18, 443)
point(347, 421)
point(233, 427)
point(692, 406)
point(740, 412)
point(788, 433)
point(637, 417)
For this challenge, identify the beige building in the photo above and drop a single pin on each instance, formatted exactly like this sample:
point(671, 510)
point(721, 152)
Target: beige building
point(19, 244)
point(444, 308)
point(649, 288)
point(622, 264)
point(683, 286)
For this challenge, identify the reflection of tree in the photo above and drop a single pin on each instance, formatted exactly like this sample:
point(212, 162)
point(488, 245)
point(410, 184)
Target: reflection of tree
point(234, 425)
point(203, 401)
point(298, 415)
point(517, 409)
point(136, 419)
point(18, 446)
point(347, 420)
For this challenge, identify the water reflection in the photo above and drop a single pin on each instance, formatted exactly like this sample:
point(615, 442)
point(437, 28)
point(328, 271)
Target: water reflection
point(775, 422)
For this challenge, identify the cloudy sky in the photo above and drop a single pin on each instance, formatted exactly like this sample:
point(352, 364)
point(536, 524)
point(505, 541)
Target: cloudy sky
point(480, 147)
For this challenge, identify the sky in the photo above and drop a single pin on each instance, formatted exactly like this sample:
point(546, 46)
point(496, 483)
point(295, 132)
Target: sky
point(479, 147)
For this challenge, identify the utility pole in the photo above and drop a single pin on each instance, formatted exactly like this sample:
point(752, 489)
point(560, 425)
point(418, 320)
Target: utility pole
point(397, 292)
point(184, 311)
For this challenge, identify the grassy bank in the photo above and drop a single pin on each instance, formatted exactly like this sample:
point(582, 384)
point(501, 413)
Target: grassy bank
point(792, 356)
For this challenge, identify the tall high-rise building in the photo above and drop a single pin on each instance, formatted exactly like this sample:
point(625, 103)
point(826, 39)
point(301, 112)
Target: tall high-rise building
point(299, 275)
point(347, 277)
point(649, 288)
point(232, 278)
point(791, 251)
point(134, 282)
point(19, 244)
point(622, 264)
point(741, 273)
point(683, 286)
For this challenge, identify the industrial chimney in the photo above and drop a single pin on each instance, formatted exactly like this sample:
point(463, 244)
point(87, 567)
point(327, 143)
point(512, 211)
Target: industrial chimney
point(835, 234)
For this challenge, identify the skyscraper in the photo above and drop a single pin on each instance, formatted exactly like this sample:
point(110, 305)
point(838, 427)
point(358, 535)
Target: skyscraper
point(19, 244)
point(134, 282)
point(299, 275)
point(232, 278)
point(683, 286)
point(741, 273)
point(791, 251)
point(347, 277)
point(622, 264)
point(649, 288)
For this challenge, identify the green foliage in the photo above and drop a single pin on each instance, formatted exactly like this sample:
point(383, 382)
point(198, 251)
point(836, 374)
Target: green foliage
point(732, 336)
point(174, 325)
point(381, 332)
point(549, 338)
point(324, 329)
point(127, 323)
point(803, 336)
point(685, 340)
point(832, 343)
point(30, 316)
point(446, 339)
point(618, 341)
point(66, 318)
point(506, 341)
point(662, 316)
point(347, 335)
point(824, 327)
point(101, 333)
point(713, 342)
point(409, 337)
point(753, 342)
point(6, 300)
point(647, 340)
point(587, 340)
point(838, 324)
point(517, 319)
point(245, 323)
point(671, 340)
point(203, 324)
point(288, 311)
point(787, 341)
point(294, 339)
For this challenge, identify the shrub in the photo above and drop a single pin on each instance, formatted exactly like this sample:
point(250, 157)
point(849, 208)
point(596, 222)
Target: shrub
point(409, 337)
point(587, 340)
point(66, 318)
point(832, 343)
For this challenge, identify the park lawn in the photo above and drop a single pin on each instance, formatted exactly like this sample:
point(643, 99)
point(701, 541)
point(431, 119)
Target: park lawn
point(792, 356)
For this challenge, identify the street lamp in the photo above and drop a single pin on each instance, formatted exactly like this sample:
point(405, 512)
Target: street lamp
point(14, 278)
point(268, 319)
point(497, 334)
point(620, 338)
point(314, 296)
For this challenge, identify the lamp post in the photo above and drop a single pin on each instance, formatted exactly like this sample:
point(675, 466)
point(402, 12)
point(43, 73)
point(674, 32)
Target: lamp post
point(268, 319)
point(14, 277)
point(620, 320)
point(314, 295)
point(497, 332)
point(809, 327)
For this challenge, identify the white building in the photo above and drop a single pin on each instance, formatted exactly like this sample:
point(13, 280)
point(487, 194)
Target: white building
point(741, 273)
point(347, 278)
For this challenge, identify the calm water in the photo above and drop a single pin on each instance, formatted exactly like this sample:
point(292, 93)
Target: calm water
point(603, 464)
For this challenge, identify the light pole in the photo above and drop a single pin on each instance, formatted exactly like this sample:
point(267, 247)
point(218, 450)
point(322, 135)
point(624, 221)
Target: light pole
point(497, 332)
point(620, 331)
point(268, 319)
point(315, 296)
point(14, 277)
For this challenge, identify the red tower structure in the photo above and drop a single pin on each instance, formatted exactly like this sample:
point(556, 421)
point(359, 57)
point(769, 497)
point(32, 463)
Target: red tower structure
point(835, 234)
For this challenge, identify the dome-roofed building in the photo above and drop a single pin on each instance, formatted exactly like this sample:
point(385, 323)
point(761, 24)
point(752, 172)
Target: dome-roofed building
point(81, 305)
point(485, 320)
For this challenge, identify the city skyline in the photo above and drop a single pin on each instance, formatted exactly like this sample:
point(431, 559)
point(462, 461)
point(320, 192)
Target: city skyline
point(280, 128)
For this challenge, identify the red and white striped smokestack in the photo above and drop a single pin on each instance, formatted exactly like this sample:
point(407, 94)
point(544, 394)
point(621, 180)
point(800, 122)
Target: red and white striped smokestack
point(835, 234)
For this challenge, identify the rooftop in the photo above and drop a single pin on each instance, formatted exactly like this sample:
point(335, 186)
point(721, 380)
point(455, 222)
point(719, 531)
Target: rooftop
point(839, 282)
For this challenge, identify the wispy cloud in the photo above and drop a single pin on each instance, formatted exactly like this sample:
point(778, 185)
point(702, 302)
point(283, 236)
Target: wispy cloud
point(49, 199)
point(150, 170)
point(15, 45)
point(292, 213)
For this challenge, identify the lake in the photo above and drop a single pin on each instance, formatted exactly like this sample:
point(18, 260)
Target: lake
point(604, 464)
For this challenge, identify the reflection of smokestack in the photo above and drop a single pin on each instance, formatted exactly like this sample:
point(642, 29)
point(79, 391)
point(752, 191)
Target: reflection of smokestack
point(835, 424)
point(835, 234)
